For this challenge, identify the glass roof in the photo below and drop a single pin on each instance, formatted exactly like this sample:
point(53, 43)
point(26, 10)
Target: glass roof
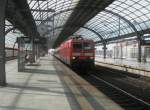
point(11, 36)
point(10, 40)
point(55, 13)
point(48, 9)
point(88, 34)
point(108, 25)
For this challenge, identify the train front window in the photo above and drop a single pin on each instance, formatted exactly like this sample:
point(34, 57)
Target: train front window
point(83, 45)
point(87, 46)
point(77, 46)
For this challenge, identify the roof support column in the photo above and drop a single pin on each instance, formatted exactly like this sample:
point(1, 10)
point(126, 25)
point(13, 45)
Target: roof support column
point(36, 51)
point(104, 48)
point(14, 49)
point(139, 51)
point(3, 4)
point(33, 49)
point(134, 28)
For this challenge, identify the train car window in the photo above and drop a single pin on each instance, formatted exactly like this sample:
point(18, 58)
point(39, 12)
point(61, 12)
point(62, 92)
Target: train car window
point(77, 46)
point(87, 46)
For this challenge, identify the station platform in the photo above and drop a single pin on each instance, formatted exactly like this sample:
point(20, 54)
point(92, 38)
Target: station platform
point(50, 86)
point(125, 65)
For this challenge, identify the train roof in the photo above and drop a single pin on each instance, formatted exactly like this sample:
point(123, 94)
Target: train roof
point(87, 40)
point(75, 39)
point(79, 38)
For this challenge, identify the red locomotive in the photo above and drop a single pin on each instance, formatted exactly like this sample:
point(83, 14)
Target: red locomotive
point(77, 52)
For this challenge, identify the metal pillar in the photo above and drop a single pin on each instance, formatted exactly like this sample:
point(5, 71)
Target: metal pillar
point(53, 28)
point(121, 49)
point(38, 51)
point(139, 51)
point(3, 4)
point(14, 49)
point(21, 55)
point(33, 49)
point(104, 48)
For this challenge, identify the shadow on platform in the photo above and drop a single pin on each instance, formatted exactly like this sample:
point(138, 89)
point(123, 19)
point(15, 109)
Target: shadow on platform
point(40, 71)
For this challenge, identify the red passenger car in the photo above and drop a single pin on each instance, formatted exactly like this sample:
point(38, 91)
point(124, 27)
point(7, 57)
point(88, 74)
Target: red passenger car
point(77, 52)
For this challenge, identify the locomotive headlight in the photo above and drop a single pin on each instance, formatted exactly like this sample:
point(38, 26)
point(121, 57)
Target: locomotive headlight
point(92, 58)
point(73, 58)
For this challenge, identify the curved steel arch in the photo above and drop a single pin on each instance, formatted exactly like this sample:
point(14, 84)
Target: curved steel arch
point(126, 20)
point(108, 11)
point(44, 5)
point(121, 17)
point(116, 14)
point(134, 28)
point(98, 34)
point(6, 32)
point(55, 14)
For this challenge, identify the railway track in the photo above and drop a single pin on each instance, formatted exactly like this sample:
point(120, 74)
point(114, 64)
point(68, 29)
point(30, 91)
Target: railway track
point(134, 84)
point(123, 98)
point(126, 99)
